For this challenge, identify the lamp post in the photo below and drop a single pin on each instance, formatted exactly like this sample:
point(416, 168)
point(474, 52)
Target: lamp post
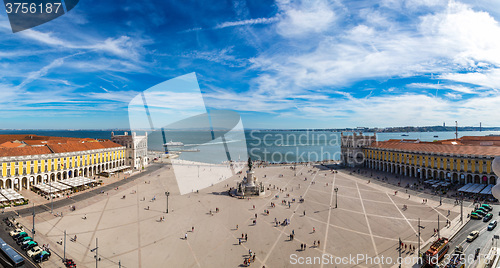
point(167, 194)
point(96, 253)
point(399, 249)
point(51, 200)
point(462, 209)
point(419, 227)
point(336, 190)
point(33, 230)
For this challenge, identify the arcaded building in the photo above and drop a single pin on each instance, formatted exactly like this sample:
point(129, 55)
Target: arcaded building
point(136, 149)
point(351, 148)
point(26, 160)
point(465, 160)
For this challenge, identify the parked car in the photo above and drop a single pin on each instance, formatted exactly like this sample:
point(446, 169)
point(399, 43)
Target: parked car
point(475, 216)
point(22, 240)
point(487, 207)
point(42, 256)
point(481, 212)
point(488, 217)
point(21, 234)
point(29, 245)
point(492, 225)
point(34, 251)
point(473, 235)
point(16, 231)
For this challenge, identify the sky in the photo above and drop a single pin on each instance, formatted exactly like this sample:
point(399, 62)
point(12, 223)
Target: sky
point(279, 64)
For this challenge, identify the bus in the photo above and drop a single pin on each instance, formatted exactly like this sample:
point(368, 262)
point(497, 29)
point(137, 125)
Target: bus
point(9, 257)
point(437, 251)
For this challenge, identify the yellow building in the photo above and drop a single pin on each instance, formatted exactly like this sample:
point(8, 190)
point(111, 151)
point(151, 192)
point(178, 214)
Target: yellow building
point(466, 160)
point(26, 160)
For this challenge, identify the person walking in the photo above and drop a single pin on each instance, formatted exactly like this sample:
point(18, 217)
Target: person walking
point(246, 237)
point(186, 236)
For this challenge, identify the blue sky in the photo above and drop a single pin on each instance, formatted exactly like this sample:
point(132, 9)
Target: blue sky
point(281, 64)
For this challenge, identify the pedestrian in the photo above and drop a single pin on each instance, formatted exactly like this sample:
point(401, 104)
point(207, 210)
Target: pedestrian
point(236, 226)
point(246, 237)
point(305, 246)
point(301, 246)
point(314, 230)
point(239, 241)
point(186, 236)
point(192, 229)
point(314, 243)
point(318, 243)
point(304, 212)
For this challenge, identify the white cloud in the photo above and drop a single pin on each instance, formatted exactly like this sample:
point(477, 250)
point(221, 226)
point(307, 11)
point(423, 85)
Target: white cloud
point(307, 17)
point(123, 46)
point(246, 22)
point(453, 96)
point(488, 78)
point(445, 42)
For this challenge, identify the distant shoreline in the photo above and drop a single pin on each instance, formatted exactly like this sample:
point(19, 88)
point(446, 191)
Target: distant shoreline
point(359, 129)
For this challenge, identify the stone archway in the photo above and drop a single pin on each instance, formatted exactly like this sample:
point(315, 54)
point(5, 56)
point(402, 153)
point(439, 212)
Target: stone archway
point(477, 179)
point(454, 178)
point(53, 177)
point(8, 184)
point(469, 178)
point(17, 183)
point(59, 176)
point(64, 175)
point(24, 183)
point(31, 181)
point(493, 180)
point(1, 184)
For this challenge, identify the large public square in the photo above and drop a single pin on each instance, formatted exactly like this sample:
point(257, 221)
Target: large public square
point(369, 220)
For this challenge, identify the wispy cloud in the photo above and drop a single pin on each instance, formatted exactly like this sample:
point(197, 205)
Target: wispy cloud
point(227, 24)
point(246, 22)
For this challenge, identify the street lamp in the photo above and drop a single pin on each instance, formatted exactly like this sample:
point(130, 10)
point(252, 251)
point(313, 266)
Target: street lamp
point(167, 194)
point(419, 227)
point(336, 190)
point(97, 259)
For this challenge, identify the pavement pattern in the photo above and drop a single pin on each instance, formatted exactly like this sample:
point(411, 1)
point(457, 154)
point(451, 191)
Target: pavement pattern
point(369, 220)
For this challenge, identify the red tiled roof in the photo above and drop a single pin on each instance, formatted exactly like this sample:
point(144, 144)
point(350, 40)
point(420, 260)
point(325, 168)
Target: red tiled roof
point(28, 150)
point(36, 145)
point(86, 146)
point(12, 144)
point(437, 147)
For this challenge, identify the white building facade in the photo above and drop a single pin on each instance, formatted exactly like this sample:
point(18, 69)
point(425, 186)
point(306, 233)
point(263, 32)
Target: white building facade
point(136, 152)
